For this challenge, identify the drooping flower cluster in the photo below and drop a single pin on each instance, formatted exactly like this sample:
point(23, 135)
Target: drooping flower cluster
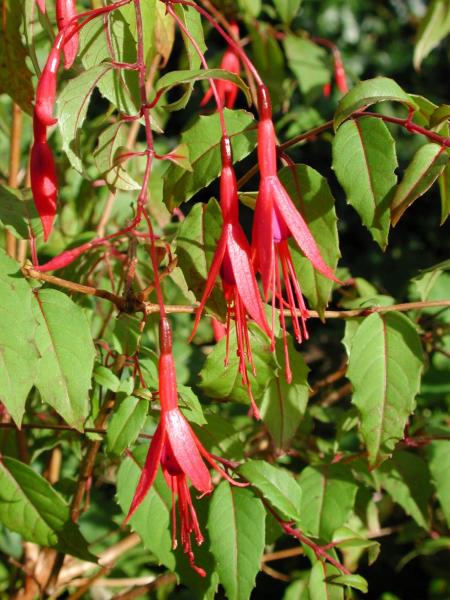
point(174, 446)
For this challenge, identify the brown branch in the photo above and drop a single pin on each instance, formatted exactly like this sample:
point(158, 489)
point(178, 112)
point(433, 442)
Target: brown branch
point(166, 579)
point(14, 166)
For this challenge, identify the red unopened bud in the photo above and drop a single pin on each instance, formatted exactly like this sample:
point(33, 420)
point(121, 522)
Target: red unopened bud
point(64, 259)
point(46, 88)
point(327, 89)
point(65, 12)
point(339, 74)
point(44, 184)
point(39, 130)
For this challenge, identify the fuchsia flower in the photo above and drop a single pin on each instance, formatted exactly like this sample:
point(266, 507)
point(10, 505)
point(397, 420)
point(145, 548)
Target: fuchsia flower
point(232, 260)
point(276, 220)
point(176, 448)
point(66, 13)
point(227, 90)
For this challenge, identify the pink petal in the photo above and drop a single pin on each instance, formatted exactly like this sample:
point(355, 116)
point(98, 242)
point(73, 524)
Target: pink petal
point(239, 253)
point(300, 230)
point(211, 280)
point(183, 443)
point(262, 235)
point(150, 469)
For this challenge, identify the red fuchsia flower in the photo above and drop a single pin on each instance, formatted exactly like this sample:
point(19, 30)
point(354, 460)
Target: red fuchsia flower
point(176, 448)
point(44, 184)
point(46, 87)
point(66, 13)
point(41, 4)
point(339, 74)
point(276, 220)
point(227, 90)
point(232, 260)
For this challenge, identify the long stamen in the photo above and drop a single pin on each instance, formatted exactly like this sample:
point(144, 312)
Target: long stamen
point(287, 368)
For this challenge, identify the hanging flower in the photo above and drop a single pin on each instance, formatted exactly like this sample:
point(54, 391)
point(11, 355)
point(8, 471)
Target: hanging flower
point(176, 448)
point(233, 262)
point(276, 220)
point(227, 90)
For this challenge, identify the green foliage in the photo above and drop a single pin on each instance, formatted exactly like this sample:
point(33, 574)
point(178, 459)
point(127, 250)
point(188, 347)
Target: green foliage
point(346, 475)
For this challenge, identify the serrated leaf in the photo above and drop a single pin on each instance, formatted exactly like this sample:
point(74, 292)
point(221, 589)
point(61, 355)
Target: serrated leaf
point(440, 116)
point(15, 76)
point(119, 86)
point(312, 196)
point(190, 405)
point(283, 404)
point(31, 507)
point(126, 423)
point(353, 581)
point(203, 141)
point(111, 144)
point(406, 478)
point(434, 26)
point(425, 167)
point(276, 485)
point(444, 189)
point(287, 9)
point(197, 239)
point(438, 454)
point(328, 497)
point(18, 354)
point(64, 342)
point(320, 586)
point(364, 160)
point(366, 93)
point(174, 78)
point(385, 369)
point(218, 381)
point(236, 528)
point(18, 212)
point(72, 106)
point(154, 509)
point(309, 62)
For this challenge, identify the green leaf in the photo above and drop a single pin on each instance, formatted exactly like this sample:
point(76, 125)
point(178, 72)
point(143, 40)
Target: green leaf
point(287, 9)
point(18, 355)
point(320, 586)
point(190, 405)
point(236, 525)
point(353, 581)
point(406, 478)
point(440, 116)
point(174, 78)
point(72, 106)
point(125, 425)
point(218, 381)
point(64, 342)
point(250, 7)
point(18, 213)
point(328, 497)
point(309, 62)
point(385, 368)
point(444, 189)
point(30, 506)
point(311, 194)
point(344, 538)
point(434, 27)
point(366, 93)
point(111, 144)
point(276, 485)
point(364, 160)
point(203, 141)
point(425, 167)
point(15, 76)
point(119, 86)
point(283, 405)
point(106, 378)
point(438, 454)
point(154, 509)
point(193, 23)
point(196, 243)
